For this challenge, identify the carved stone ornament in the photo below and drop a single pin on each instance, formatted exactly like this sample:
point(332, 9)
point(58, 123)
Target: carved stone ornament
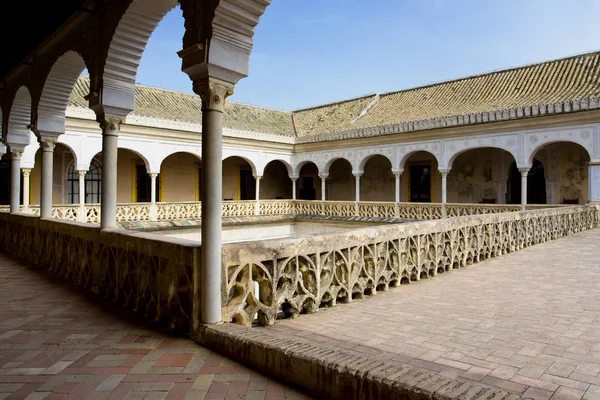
point(110, 124)
point(213, 93)
point(48, 143)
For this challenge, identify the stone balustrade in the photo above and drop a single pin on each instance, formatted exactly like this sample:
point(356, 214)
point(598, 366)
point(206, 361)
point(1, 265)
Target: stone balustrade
point(154, 276)
point(127, 212)
point(290, 276)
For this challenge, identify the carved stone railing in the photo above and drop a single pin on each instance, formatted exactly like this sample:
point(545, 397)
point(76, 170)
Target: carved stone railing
point(192, 210)
point(152, 275)
point(296, 275)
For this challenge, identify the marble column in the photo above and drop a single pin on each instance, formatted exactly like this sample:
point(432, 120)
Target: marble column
point(323, 184)
point(82, 213)
point(257, 203)
point(153, 210)
point(398, 175)
point(26, 174)
point(357, 186)
point(294, 180)
point(47, 145)
point(15, 180)
point(213, 93)
point(110, 125)
point(444, 174)
point(524, 172)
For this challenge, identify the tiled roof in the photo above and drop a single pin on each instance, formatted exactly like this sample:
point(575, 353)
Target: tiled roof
point(546, 83)
point(551, 87)
point(183, 107)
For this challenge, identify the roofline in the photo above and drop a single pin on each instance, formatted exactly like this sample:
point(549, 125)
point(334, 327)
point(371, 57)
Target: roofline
point(494, 71)
point(334, 103)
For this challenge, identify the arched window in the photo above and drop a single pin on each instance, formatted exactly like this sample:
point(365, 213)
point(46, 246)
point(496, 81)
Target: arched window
point(93, 183)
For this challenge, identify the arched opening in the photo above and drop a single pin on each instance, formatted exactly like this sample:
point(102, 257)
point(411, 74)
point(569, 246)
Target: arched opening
point(5, 168)
point(93, 183)
point(181, 177)
point(421, 179)
point(377, 182)
point(536, 184)
point(239, 182)
point(564, 169)
point(133, 178)
point(309, 183)
point(341, 181)
point(479, 176)
point(63, 158)
point(276, 182)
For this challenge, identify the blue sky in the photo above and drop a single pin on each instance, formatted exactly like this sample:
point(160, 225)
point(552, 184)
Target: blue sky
point(311, 52)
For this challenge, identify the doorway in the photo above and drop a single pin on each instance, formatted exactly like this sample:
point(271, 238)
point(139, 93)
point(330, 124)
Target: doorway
point(247, 185)
point(420, 183)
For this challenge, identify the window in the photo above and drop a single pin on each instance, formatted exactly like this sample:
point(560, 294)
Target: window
point(93, 183)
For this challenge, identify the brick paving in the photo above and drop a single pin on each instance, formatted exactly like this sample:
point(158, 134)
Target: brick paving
point(527, 322)
point(57, 342)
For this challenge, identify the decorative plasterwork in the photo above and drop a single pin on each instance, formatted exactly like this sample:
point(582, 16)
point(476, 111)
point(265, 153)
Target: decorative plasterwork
point(19, 119)
point(56, 92)
point(126, 48)
point(534, 140)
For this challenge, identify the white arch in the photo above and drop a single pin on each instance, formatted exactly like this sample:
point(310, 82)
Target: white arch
point(459, 152)
point(539, 146)
point(56, 92)
point(19, 119)
point(363, 162)
point(330, 162)
point(195, 155)
point(125, 51)
point(29, 152)
point(288, 166)
point(302, 163)
point(248, 160)
point(406, 156)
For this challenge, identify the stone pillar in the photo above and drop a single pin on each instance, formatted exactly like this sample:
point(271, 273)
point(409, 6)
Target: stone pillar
point(47, 144)
point(524, 172)
point(110, 125)
point(323, 181)
point(26, 173)
point(257, 203)
point(82, 213)
point(294, 180)
point(594, 183)
point(357, 186)
point(153, 210)
point(444, 174)
point(213, 93)
point(397, 175)
point(15, 180)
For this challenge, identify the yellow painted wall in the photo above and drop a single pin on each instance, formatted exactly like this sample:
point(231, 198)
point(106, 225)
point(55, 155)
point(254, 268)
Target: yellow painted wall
point(421, 157)
point(470, 180)
point(178, 177)
point(125, 175)
point(231, 176)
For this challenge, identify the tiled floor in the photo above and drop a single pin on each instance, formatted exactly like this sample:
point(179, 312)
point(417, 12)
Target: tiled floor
point(527, 322)
point(59, 343)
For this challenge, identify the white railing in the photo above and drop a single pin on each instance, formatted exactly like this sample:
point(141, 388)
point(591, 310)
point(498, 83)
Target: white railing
point(127, 212)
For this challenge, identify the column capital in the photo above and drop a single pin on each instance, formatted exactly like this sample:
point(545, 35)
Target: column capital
point(26, 171)
point(357, 175)
point(323, 176)
point(110, 123)
point(213, 93)
point(82, 172)
point(524, 171)
point(16, 152)
point(397, 173)
point(257, 177)
point(153, 175)
point(47, 143)
point(444, 172)
point(294, 178)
